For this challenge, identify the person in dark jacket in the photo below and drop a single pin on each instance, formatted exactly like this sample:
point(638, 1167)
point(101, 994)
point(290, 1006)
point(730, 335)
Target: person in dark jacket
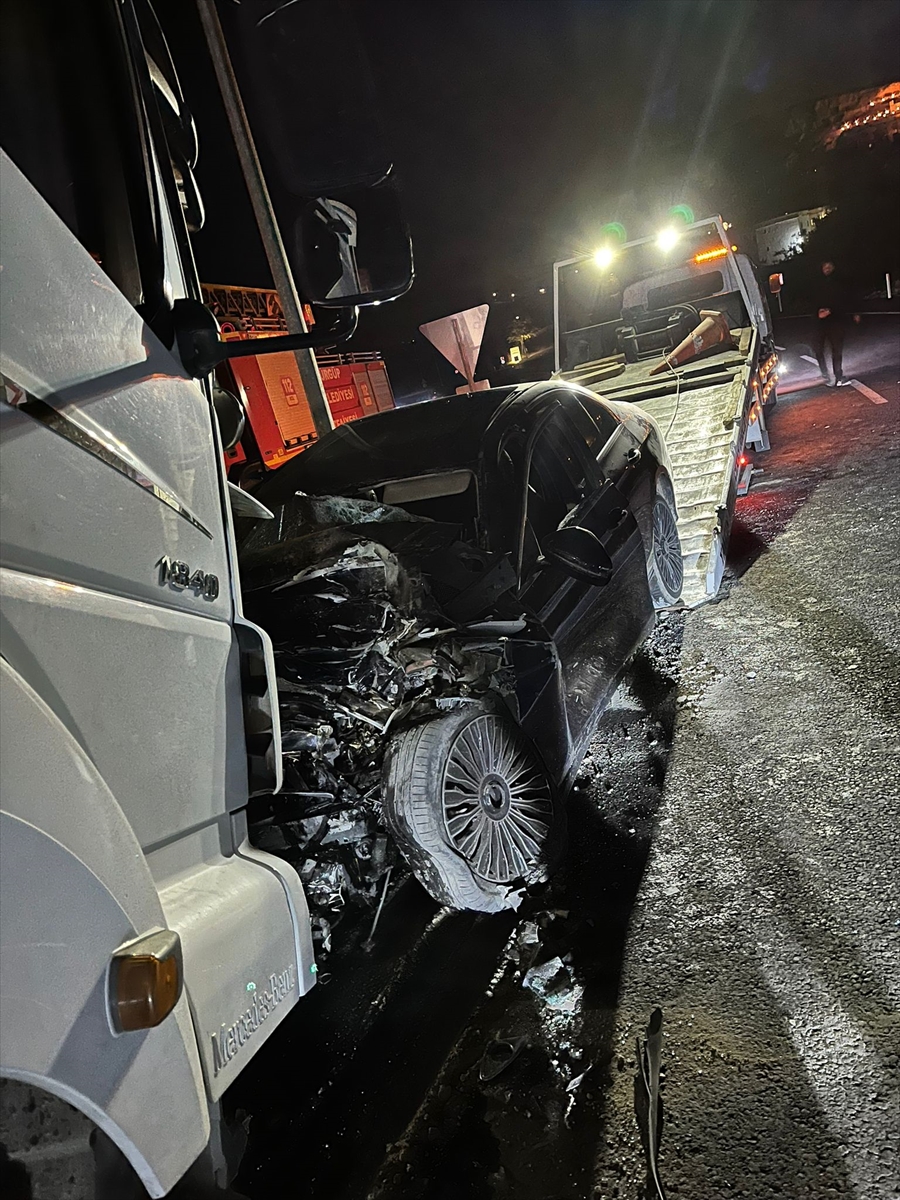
point(832, 306)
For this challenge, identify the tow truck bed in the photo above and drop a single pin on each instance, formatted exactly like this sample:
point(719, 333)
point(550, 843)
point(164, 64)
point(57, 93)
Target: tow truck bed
point(707, 412)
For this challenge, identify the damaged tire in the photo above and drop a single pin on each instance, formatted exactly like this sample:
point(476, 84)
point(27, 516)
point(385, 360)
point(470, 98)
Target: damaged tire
point(471, 808)
point(665, 564)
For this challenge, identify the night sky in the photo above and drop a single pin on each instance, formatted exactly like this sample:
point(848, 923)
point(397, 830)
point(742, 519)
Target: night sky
point(520, 127)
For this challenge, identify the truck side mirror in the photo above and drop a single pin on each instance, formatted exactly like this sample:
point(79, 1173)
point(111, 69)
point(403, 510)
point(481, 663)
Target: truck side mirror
point(312, 105)
point(579, 553)
point(353, 247)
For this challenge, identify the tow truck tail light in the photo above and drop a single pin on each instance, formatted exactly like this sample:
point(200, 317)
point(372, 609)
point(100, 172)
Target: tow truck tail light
point(145, 981)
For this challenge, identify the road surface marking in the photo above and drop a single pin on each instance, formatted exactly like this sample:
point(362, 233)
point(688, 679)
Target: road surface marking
point(875, 397)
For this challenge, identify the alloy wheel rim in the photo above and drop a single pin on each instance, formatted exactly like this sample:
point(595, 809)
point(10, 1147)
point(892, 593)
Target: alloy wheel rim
point(667, 550)
point(497, 805)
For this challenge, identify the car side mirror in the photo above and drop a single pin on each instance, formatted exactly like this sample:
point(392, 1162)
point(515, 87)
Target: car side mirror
point(579, 553)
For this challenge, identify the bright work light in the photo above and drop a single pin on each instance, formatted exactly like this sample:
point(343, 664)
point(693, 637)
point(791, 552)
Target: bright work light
point(667, 239)
point(603, 257)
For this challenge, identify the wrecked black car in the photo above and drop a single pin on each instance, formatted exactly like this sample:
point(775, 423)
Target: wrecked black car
point(452, 590)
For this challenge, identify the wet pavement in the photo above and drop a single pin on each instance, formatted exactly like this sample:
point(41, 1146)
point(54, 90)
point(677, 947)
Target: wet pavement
point(733, 850)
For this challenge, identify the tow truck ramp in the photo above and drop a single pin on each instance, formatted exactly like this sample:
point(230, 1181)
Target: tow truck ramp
point(709, 413)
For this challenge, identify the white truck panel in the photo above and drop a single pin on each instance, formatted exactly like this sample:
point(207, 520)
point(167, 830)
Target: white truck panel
point(74, 886)
point(124, 755)
point(222, 909)
point(152, 694)
point(70, 338)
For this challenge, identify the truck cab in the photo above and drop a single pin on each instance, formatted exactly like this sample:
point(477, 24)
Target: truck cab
point(148, 949)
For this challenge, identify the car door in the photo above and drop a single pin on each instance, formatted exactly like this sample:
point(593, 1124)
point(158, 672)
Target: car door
point(595, 628)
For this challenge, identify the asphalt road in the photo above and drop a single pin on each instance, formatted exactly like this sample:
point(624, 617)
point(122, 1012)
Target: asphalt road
point(734, 847)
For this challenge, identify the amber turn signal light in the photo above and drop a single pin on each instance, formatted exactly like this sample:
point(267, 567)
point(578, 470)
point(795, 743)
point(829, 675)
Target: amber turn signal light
point(145, 981)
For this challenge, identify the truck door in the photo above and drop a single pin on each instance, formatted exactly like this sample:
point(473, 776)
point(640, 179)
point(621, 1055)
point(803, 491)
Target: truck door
point(111, 495)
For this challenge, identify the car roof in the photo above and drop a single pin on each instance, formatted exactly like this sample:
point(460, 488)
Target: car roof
point(435, 435)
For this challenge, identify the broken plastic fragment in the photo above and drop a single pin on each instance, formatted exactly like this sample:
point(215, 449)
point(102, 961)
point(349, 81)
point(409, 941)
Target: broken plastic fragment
point(498, 1055)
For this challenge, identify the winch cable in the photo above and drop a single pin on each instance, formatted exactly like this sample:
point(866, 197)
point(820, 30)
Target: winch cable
point(678, 378)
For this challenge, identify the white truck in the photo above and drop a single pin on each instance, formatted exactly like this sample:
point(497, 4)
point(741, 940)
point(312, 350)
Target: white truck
point(148, 949)
point(627, 323)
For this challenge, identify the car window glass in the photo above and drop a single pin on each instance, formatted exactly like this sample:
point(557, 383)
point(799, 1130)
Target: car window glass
point(556, 483)
point(595, 424)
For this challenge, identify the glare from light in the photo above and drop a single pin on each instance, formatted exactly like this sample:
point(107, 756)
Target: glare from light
point(603, 257)
point(667, 239)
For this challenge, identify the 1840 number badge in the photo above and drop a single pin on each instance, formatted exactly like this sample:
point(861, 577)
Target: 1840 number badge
point(179, 575)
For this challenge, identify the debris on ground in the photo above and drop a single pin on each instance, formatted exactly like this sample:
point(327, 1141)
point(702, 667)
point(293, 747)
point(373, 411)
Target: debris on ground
point(648, 1105)
point(498, 1055)
point(553, 983)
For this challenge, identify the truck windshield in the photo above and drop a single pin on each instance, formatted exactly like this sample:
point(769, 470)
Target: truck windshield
point(68, 122)
point(602, 296)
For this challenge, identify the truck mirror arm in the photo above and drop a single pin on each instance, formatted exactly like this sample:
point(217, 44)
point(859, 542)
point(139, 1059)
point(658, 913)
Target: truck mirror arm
point(201, 349)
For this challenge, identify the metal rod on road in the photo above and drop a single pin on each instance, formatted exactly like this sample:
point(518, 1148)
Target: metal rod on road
point(367, 944)
point(264, 213)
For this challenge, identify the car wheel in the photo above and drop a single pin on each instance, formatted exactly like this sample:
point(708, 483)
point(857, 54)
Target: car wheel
point(471, 808)
point(665, 566)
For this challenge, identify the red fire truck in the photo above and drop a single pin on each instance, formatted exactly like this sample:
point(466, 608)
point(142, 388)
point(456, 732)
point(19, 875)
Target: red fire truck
point(279, 423)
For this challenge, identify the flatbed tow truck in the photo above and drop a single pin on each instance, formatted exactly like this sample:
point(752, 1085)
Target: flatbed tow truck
point(627, 323)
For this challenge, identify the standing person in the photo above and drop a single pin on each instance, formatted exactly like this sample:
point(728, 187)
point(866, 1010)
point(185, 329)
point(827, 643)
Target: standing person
point(832, 311)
